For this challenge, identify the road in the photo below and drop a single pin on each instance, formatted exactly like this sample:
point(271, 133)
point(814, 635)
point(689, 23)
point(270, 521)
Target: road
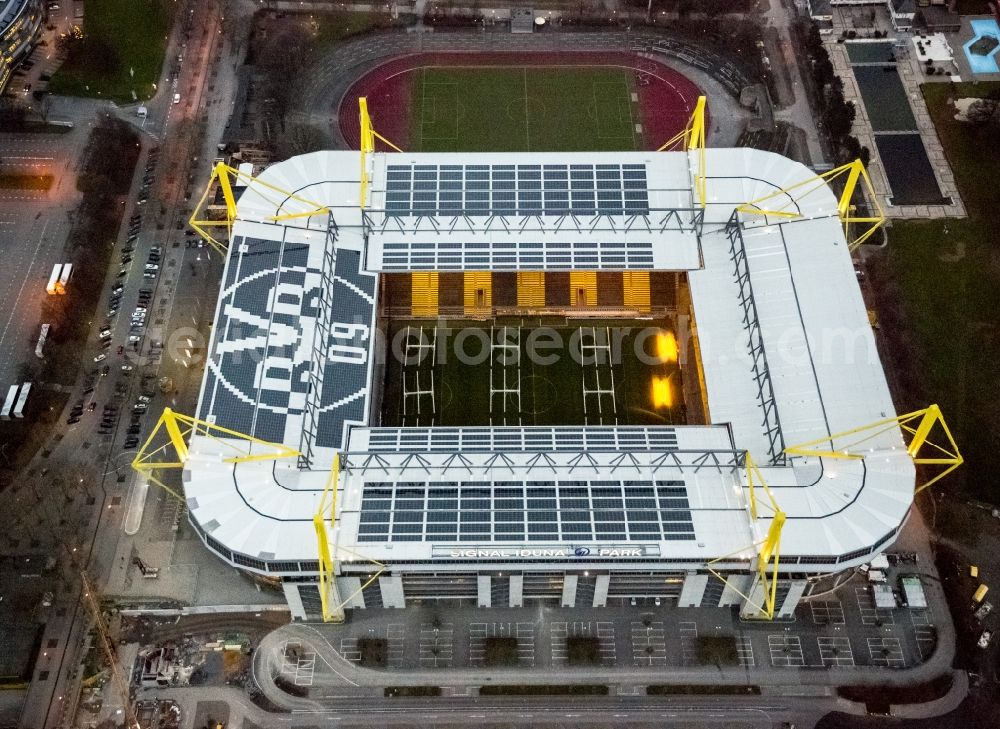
point(484, 712)
point(78, 448)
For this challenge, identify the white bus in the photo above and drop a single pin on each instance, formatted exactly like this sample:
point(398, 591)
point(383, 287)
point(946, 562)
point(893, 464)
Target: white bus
point(8, 404)
point(22, 400)
point(52, 287)
point(64, 277)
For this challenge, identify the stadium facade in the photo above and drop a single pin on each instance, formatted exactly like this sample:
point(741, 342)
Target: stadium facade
point(569, 515)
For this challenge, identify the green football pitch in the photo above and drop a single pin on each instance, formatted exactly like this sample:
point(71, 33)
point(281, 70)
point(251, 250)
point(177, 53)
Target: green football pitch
point(516, 109)
point(523, 373)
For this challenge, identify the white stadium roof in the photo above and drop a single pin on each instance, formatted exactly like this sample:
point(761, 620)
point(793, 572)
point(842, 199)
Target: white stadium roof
point(787, 352)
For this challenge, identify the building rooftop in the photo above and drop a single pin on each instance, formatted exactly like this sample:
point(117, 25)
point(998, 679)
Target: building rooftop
point(786, 349)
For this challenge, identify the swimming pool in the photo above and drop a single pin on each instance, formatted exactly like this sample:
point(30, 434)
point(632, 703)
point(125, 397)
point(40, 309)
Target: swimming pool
point(869, 52)
point(885, 99)
point(983, 64)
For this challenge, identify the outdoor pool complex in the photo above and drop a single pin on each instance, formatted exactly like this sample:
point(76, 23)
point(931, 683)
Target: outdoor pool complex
point(983, 64)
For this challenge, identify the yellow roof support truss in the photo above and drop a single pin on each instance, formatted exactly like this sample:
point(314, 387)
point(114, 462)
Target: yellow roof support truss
point(173, 432)
point(777, 204)
point(368, 138)
point(692, 139)
point(226, 176)
point(919, 424)
point(768, 549)
point(327, 511)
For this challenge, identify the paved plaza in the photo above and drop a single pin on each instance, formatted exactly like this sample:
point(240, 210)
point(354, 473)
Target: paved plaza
point(841, 630)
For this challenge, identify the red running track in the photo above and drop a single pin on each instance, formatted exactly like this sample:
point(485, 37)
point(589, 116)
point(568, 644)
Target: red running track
point(666, 96)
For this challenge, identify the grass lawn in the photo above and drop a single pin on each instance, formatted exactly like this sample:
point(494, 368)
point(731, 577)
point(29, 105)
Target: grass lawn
point(331, 28)
point(118, 35)
point(948, 276)
point(554, 387)
point(517, 109)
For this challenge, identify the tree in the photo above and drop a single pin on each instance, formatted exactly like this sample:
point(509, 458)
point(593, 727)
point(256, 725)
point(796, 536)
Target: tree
point(301, 139)
point(981, 111)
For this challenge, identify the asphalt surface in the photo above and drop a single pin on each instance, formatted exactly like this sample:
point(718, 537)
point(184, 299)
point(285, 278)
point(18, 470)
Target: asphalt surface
point(79, 449)
point(497, 712)
point(33, 229)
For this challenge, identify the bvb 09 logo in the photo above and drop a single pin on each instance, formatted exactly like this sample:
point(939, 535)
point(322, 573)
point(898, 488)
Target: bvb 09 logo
point(582, 551)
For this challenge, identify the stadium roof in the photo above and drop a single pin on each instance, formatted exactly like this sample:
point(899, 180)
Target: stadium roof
point(787, 352)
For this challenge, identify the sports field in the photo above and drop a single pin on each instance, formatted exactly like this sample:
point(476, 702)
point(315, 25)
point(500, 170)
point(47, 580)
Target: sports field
point(525, 102)
point(522, 373)
point(507, 109)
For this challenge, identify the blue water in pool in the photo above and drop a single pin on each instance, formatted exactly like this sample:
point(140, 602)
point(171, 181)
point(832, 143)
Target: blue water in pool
point(983, 64)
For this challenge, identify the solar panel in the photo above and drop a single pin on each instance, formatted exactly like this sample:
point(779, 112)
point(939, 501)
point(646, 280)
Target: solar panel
point(532, 439)
point(345, 380)
point(568, 510)
point(524, 190)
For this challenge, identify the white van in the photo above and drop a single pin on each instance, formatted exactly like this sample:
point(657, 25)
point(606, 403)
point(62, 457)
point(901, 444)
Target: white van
point(177, 98)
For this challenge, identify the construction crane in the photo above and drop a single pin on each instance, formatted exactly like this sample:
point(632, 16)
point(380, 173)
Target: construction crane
point(90, 597)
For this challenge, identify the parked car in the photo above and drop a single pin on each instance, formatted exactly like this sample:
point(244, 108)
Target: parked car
point(101, 357)
point(984, 639)
point(127, 368)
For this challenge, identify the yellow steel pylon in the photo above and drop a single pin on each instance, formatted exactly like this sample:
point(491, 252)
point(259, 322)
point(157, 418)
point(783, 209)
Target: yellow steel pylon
point(178, 427)
point(226, 176)
point(855, 172)
point(368, 137)
point(333, 610)
point(693, 139)
point(768, 549)
point(918, 424)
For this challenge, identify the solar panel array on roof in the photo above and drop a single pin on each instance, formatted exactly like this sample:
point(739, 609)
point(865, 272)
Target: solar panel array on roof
point(532, 439)
point(581, 189)
point(574, 511)
point(256, 368)
point(244, 322)
point(345, 375)
point(500, 255)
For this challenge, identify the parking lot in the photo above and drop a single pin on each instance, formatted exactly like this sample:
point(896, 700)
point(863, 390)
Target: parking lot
point(34, 225)
point(838, 631)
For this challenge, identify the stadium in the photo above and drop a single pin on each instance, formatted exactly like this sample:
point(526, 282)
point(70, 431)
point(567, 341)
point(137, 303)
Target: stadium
point(563, 378)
